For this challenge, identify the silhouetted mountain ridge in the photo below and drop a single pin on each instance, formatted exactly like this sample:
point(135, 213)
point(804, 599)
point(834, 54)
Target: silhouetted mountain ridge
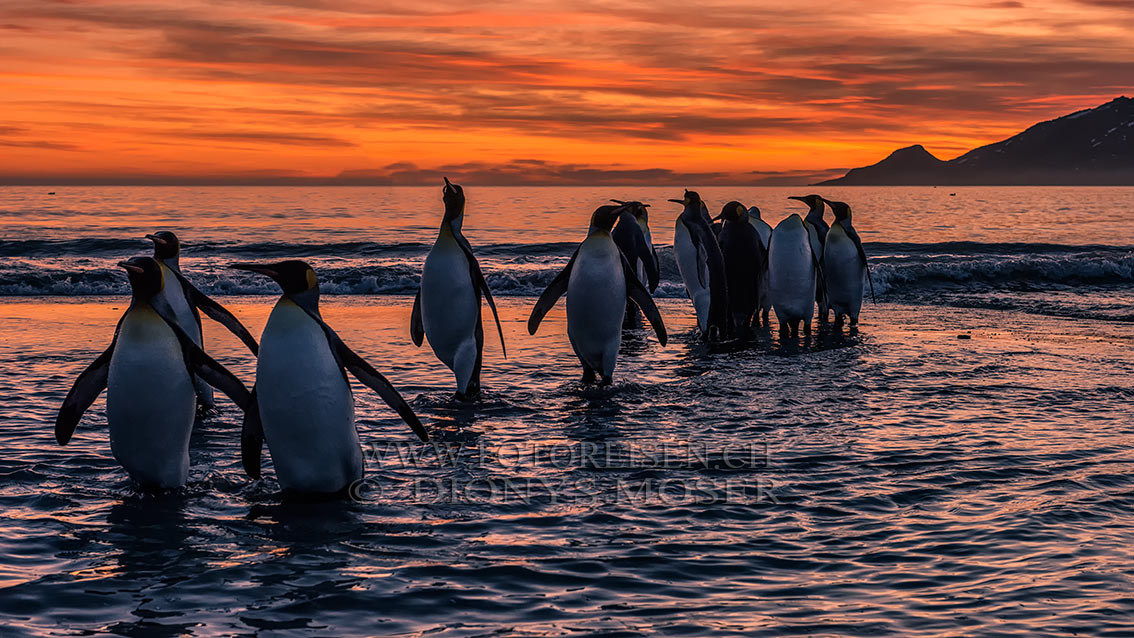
point(1089, 147)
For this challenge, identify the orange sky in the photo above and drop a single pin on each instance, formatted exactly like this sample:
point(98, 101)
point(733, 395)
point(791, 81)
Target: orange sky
point(544, 92)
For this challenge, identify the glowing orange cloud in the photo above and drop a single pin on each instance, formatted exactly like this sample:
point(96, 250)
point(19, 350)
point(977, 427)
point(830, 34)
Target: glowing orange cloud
point(556, 92)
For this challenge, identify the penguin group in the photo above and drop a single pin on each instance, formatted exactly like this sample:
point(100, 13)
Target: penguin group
point(159, 379)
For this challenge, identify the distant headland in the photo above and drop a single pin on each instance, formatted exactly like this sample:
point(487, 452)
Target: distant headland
point(1093, 147)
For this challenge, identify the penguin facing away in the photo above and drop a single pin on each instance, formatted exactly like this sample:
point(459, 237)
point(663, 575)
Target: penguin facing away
point(148, 373)
point(631, 240)
point(447, 306)
point(792, 272)
point(844, 266)
point(701, 264)
point(302, 402)
point(187, 304)
point(745, 261)
point(642, 215)
point(597, 281)
point(817, 229)
point(764, 303)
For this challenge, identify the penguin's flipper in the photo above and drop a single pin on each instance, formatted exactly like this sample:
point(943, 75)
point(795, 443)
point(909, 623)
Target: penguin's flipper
point(638, 293)
point(657, 267)
point(219, 314)
point(200, 364)
point(216, 375)
point(416, 327)
point(651, 265)
point(482, 284)
point(556, 289)
point(374, 380)
point(87, 387)
point(251, 438)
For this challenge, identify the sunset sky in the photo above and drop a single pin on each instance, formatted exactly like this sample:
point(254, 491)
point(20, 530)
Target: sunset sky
point(533, 92)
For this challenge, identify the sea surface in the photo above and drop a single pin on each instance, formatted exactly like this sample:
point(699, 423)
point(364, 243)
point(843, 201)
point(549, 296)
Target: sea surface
point(962, 464)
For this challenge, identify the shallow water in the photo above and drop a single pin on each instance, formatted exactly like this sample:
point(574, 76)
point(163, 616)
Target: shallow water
point(896, 481)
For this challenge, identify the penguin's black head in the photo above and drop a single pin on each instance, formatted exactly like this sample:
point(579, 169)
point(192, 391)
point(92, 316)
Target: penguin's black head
point(604, 217)
point(293, 275)
point(637, 209)
point(692, 198)
point(840, 209)
point(166, 245)
point(811, 200)
point(454, 197)
point(145, 276)
point(733, 211)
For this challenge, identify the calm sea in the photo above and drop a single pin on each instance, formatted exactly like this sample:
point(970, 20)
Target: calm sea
point(894, 481)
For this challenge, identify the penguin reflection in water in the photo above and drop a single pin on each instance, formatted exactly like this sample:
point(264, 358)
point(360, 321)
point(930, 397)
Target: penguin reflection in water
point(148, 373)
point(187, 304)
point(597, 281)
point(447, 306)
point(302, 402)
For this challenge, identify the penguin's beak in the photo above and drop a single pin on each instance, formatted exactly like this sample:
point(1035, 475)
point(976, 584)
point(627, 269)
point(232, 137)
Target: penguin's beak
point(798, 199)
point(256, 268)
point(619, 202)
point(137, 270)
point(155, 239)
point(678, 201)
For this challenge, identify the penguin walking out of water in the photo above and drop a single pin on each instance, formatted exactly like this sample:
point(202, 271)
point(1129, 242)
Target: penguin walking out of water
point(187, 304)
point(638, 250)
point(302, 403)
point(148, 373)
point(844, 266)
point(701, 264)
point(817, 229)
point(447, 307)
point(793, 269)
point(744, 261)
point(597, 281)
point(764, 300)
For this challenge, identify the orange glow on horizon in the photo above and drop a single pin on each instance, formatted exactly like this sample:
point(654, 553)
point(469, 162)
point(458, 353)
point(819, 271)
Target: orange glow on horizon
point(540, 92)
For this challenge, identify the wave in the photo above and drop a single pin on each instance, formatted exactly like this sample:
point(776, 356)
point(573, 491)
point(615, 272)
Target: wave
point(954, 273)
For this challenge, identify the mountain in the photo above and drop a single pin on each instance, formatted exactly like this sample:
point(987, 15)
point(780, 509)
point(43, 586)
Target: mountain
point(1089, 147)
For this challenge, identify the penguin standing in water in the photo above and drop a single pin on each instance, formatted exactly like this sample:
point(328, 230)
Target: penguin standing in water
point(638, 250)
point(447, 306)
point(302, 403)
point(764, 301)
point(148, 373)
point(597, 280)
point(817, 229)
point(187, 304)
point(701, 264)
point(744, 260)
point(793, 269)
point(844, 266)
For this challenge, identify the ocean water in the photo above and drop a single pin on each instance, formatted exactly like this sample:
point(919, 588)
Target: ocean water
point(897, 480)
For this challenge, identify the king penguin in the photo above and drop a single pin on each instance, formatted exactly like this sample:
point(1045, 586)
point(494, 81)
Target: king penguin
point(632, 241)
point(701, 264)
point(302, 402)
point(744, 260)
point(597, 281)
point(792, 272)
point(844, 266)
point(148, 373)
point(187, 303)
point(764, 303)
point(817, 229)
point(447, 306)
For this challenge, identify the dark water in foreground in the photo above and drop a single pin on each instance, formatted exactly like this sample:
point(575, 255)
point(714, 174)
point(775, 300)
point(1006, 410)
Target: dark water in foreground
point(899, 481)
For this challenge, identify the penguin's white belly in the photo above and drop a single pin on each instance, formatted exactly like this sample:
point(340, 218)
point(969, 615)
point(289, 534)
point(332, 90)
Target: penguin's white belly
point(306, 405)
point(174, 295)
point(596, 302)
point(693, 271)
point(845, 273)
point(150, 401)
point(448, 302)
point(791, 274)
